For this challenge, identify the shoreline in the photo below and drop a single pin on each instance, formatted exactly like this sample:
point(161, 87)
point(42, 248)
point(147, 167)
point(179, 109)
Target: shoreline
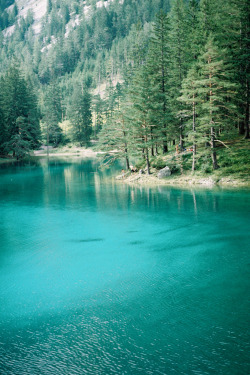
point(67, 151)
point(134, 178)
point(75, 152)
point(187, 181)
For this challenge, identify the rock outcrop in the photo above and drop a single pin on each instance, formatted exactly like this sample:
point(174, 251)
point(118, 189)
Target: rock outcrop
point(165, 172)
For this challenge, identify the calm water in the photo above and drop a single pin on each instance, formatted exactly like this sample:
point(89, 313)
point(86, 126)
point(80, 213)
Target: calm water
point(101, 278)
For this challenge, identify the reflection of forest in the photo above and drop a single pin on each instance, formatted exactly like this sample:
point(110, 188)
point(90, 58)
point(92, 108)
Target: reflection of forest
point(79, 184)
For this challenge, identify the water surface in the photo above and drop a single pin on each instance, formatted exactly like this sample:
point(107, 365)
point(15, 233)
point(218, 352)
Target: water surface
point(103, 278)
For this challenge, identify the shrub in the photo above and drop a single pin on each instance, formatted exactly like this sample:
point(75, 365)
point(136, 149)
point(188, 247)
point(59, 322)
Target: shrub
point(140, 164)
point(158, 163)
point(206, 168)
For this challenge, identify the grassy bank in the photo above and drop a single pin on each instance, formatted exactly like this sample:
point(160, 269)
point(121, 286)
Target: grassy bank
point(233, 160)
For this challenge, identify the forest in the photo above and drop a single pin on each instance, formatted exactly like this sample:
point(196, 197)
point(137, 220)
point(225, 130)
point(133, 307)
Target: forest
point(143, 79)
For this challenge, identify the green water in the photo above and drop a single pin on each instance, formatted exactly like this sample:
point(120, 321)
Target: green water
point(102, 278)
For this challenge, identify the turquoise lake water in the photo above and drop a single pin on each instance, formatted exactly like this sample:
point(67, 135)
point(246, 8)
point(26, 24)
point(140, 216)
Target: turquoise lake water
point(97, 277)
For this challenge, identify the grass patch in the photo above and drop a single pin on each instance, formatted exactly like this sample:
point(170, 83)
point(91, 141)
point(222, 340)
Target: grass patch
point(233, 161)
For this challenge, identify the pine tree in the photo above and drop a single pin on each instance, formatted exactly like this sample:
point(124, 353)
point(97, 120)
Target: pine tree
point(3, 132)
point(181, 57)
point(33, 118)
point(53, 115)
point(191, 101)
point(114, 138)
point(80, 115)
point(230, 23)
point(218, 93)
point(98, 110)
point(21, 142)
point(192, 32)
point(19, 105)
point(157, 66)
point(206, 17)
point(243, 66)
point(142, 114)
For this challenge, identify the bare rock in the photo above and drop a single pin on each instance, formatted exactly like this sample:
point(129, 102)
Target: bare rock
point(165, 172)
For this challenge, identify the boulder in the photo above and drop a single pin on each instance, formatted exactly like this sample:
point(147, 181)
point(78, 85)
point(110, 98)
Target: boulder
point(165, 172)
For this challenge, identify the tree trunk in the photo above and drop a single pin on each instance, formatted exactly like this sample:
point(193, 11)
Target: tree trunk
point(247, 113)
point(213, 154)
point(194, 144)
point(147, 161)
point(127, 161)
point(194, 153)
point(181, 137)
point(47, 141)
point(165, 147)
point(241, 127)
point(181, 140)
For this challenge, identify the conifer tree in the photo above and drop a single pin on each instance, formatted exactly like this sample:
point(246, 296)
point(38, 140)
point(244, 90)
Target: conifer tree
point(218, 93)
point(53, 115)
point(98, 109)
point(157, 68)
point(3, 132)
point(21, 142)
point(80, 115)
point(142, 114)
point(192, 31)
point(230, 24)
point(114, 138)
point(206, 17)
point(191, 101)
point(243, 66)
point(180, 60)
point(19, 106)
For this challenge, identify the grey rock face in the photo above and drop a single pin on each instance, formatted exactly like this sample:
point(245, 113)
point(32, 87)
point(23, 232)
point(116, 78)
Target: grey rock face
point(165, 172)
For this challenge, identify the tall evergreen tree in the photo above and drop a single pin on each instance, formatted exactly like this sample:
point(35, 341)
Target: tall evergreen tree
point(19, 106)
point(3, 131)
point(158, 65)
point(231, 25)
point(180, 60)
point(114, 138)
point(191, 102)
point(142, 114)
point(98, 110)
point(218, 109)
point(243, 58)
point(53, 115)
point(80, 115)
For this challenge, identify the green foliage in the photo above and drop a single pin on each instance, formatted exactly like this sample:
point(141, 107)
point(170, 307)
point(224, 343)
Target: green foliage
point(114, 137)
point(19, 124)
point(140, 164)
point(174, 165)
point(80, 115)
point(18, 146)
point(149, 75)
point(7, 19)
point(53, 115)
point(158, 163)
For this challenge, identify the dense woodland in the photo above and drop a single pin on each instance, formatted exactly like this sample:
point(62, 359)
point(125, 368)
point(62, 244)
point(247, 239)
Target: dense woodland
point(136, 76)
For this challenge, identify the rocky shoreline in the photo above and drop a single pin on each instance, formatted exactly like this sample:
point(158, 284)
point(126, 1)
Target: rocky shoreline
point(182, 180)
point(136, 178)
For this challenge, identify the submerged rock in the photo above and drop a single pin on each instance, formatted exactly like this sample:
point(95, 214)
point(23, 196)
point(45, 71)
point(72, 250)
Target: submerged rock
point(165, 172)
